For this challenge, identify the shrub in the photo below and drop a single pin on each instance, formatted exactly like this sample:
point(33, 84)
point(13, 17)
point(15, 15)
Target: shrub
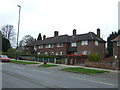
point(94, 57)
point(60, 61)
point(77, 56)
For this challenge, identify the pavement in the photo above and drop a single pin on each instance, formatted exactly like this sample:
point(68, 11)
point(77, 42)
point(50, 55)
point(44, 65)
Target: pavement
point(69, 66)
point(112, 75)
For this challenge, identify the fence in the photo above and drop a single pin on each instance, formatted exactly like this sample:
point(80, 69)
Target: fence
point(51, 60)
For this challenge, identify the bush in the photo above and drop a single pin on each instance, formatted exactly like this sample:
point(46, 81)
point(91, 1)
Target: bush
point(94, 57)
point(77, 56)
point(60, 61)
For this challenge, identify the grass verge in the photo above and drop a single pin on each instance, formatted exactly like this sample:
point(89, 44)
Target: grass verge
point(47, 65)
point(22, 62)
point(83, 70)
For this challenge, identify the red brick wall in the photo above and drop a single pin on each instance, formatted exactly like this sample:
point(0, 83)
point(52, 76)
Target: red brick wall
point(54, 49)
point(91, 47)
point(116, 49)
point(101, 65)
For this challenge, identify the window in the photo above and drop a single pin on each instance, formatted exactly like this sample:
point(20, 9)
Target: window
point(46, 53)
point(61, 53)
point(73, 44)
point(96, 42)
point(84, 52)
point(60, 45)
point(41, 46)
point(118, 43)
point(56, 53)
point(49, 46)
point(38, 53)
point(74, 52)
point(84, 43)
point(52, 53)
point(35, 48)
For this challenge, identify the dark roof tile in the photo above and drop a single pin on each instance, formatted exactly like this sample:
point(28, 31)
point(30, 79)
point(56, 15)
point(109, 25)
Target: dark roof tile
point(67, 39)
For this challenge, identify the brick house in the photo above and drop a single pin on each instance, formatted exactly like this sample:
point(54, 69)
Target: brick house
point(116, 47)
point(65, 44)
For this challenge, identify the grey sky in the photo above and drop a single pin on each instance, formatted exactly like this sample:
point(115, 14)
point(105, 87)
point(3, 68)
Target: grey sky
point(47, 16)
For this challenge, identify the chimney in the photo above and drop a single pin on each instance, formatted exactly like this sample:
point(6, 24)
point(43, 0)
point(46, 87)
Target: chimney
point(98, 32)
point(44, 37)
point(55, 33)
point(74, 32)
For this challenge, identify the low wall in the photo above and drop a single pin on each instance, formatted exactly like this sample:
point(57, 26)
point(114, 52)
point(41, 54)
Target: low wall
point(76, 61)
point(113, 66)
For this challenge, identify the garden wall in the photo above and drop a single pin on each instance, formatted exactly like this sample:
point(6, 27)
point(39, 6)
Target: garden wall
point(113, 66)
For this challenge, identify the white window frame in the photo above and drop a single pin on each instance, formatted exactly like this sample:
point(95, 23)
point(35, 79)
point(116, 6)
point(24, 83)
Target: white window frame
point(61, 53)
point(40, 46)
point(118, 43)
point(56, 53)
point(38, 53)
point(60, 45)
point(96, 43)
point(46, 53)
point(84, 52)
point(49, 45)
point(74, 44)
point(52, 53)
point(35, 48)
point(84, 42)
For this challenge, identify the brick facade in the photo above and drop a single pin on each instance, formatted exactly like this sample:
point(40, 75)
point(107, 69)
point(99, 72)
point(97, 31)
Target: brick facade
point(116, 47)
point(55, 49)
point(116, 50)
point(92, 48)
point(66, 40)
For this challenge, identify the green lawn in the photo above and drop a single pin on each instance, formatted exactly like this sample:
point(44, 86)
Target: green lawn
point(23, 62)
point(47, 65)
point(83, 70)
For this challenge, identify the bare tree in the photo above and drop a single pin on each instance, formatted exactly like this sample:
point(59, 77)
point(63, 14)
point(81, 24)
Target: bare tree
point(25, 40)
point(9, 33)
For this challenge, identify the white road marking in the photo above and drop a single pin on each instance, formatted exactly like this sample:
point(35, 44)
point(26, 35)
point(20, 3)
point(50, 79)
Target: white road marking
point(93, 81)
point(41, 71)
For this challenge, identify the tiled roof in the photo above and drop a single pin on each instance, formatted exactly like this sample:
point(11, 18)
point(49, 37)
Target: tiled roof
point(67, 39)
point(117, 38)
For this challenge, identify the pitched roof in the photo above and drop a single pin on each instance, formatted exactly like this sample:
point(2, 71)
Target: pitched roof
point(67, 39)
point(116, 39)
point(87, 36)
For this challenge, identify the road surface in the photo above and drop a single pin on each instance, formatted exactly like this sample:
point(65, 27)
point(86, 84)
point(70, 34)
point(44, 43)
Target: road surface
point(27, 76)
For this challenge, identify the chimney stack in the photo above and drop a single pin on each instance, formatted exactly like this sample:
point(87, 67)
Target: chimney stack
point(74, 32)
point(98, 32)
point(44, 37)
point(55, 33)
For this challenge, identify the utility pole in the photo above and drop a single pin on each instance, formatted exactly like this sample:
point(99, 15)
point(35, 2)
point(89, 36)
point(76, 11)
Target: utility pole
point(17, 51)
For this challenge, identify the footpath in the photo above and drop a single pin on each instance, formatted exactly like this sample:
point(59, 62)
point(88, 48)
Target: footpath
point(69, 65)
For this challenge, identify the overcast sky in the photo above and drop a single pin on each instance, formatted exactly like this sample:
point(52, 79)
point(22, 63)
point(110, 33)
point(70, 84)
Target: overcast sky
point(47, 16)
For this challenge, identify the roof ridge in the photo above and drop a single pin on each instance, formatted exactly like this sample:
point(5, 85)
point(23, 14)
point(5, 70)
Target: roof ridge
point(57, 36)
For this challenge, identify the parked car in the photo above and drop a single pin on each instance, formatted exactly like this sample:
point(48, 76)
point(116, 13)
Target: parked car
point(21, 58)
point(4, 58)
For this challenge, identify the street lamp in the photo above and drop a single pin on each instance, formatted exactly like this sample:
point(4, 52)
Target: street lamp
point(18, 31)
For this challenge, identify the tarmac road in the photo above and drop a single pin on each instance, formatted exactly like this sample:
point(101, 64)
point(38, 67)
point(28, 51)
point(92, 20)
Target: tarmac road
point(28, 76)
